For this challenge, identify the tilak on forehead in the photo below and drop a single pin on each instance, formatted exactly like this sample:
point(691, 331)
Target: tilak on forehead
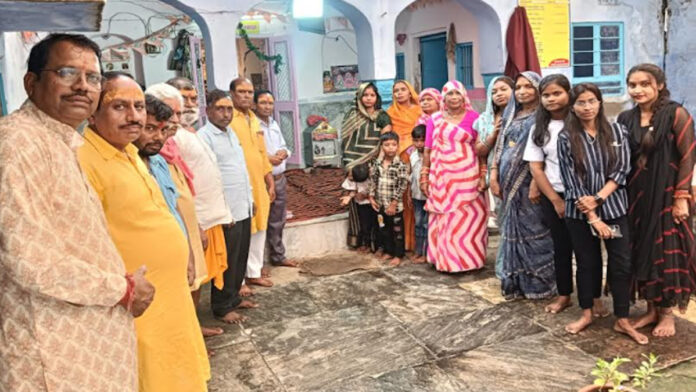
point(124, 94)
point(226, 101)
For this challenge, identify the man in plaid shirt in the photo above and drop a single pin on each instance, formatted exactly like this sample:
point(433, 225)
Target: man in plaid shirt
point(389, 179)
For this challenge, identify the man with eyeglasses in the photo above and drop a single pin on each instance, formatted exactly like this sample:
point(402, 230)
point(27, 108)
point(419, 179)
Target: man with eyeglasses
point(67, 303)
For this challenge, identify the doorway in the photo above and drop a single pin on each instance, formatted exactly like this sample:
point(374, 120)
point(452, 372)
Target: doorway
point(433, 59)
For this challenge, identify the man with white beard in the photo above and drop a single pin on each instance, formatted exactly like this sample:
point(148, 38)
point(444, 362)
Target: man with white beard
point(190, 113)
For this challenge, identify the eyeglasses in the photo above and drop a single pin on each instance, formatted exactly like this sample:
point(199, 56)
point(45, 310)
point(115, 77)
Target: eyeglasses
point(70, 75)
point(582, 104)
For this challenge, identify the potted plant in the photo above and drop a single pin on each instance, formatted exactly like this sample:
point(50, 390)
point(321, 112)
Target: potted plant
point(608, 377)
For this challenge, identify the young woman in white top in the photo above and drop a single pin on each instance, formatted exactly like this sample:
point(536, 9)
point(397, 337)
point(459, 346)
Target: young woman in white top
point(542, 154)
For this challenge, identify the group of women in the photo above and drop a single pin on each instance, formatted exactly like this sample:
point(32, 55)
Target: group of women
point(450, 174)
point(566, 178)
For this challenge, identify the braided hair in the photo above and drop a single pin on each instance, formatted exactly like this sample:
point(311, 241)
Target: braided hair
point(647, 143)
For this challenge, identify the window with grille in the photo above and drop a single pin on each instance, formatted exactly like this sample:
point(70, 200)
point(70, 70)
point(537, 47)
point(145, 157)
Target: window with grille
point(465, 64)
point(597, 55)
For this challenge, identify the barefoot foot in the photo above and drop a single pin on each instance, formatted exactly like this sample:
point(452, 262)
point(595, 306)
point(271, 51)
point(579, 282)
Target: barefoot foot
point(246, 291)
point(419, 260)
point(265, 272)
point(395, 262)
point(623, 325)
point(558, 305)
point(599, 310)
point(665, 327)
point(363, 249)
point(288, 263)
point(385, 256)
point(576, 326)
point(209, 332)
point(650, 317)
point(233, 318)
point(246, 304)
point(260, 282)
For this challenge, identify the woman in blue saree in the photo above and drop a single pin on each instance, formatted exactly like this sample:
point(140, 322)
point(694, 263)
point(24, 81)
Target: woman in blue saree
point(525, 256)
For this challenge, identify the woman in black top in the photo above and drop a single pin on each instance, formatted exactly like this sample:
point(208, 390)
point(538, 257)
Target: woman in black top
point(594, 157)
point(662, 143)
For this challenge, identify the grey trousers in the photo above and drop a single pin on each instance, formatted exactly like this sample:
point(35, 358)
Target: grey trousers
point(276, 223)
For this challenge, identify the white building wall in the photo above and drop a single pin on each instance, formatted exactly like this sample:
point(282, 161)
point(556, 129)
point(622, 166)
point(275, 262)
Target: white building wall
point(435, 19)
point(315, 53)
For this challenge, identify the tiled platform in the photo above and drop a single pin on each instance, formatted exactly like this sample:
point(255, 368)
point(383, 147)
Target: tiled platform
point(411, 328)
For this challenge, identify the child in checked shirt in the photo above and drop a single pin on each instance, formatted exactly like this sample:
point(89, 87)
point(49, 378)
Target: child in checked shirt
point(389, 179)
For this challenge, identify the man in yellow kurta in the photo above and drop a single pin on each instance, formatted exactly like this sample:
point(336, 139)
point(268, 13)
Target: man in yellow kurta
point(247, 128)
point(65, 324)
point(171, 351)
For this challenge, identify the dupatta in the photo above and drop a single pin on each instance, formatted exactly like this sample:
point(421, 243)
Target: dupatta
point(405, 118)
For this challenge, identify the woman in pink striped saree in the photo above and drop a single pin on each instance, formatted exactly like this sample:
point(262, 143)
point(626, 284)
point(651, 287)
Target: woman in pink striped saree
point(454, 181)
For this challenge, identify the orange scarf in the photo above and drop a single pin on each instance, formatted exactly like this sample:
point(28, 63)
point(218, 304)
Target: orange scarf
point(404, 118)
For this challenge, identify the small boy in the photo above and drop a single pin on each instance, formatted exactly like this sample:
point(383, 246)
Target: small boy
point(419, 199)
point(360, 214)
point(389, 178)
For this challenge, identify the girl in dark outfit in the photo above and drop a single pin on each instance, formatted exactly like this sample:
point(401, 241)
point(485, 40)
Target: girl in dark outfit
point(661, 134)
point(595, 160)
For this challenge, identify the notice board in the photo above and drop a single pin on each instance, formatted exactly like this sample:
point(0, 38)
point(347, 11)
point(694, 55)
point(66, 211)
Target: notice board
point(550, 21)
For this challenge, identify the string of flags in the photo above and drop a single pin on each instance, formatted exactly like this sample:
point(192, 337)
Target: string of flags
point(152, 43)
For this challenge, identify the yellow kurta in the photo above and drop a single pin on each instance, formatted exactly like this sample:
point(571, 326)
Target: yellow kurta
point(171, 351)
point(187, 209)
point(258, 165)
point(61, 276)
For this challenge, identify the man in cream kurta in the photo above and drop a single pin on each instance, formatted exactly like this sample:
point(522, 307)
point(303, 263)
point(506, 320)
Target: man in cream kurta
point(62, 278)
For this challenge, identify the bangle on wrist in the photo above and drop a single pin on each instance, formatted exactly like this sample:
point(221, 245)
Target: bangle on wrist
point(593, 221)
point(129, 296)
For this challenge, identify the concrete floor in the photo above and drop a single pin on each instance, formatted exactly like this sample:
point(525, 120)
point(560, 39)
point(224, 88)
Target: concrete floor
point(411, 328)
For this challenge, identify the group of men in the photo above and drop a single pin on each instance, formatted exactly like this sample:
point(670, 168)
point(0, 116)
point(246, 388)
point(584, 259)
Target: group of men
point(107, 236)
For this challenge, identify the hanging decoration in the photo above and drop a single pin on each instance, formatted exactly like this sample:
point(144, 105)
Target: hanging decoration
point(401, 38)
point(150, 44)
point(276, 59)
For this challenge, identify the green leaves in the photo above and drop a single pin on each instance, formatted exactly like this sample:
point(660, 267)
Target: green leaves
point(607, 374)
point(277, 59)
point(646, 372)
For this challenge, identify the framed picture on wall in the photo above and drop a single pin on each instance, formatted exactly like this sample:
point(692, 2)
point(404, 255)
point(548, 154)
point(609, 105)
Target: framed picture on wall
point(327, 82)
point(345, 77)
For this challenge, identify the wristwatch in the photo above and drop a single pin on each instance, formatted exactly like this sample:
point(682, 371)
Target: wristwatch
point(598, 199)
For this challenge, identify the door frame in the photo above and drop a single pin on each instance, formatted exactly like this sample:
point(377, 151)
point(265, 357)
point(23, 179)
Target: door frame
point(293, 106)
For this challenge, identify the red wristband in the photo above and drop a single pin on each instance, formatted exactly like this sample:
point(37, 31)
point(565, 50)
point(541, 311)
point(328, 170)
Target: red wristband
point(129, 296)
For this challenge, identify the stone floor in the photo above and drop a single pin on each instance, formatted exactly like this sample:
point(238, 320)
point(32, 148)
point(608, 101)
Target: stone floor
point(411, 328)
